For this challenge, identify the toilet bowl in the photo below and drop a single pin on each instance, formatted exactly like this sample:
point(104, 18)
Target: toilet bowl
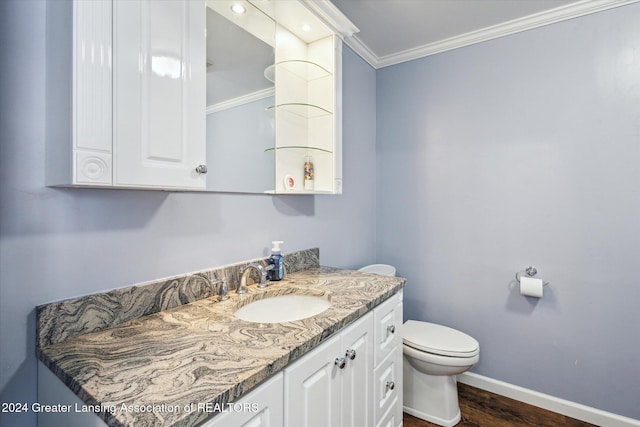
point(433, 356)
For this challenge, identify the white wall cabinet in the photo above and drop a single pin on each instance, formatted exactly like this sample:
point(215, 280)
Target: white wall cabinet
point(125, 104)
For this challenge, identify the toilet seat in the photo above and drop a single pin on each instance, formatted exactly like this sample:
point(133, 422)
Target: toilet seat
point(438, 339)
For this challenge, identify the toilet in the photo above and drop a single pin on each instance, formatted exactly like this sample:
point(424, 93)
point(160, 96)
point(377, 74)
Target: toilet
point(433, 356)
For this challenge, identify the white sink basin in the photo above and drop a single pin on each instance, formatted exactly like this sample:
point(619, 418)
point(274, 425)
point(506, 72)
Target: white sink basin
point(283, 308)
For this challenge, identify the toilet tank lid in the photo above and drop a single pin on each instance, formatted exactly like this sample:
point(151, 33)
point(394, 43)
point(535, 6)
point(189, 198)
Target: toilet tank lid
point(438, 339)
point(382, 269)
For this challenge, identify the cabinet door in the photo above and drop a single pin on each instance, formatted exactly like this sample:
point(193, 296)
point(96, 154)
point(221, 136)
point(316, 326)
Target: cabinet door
point(262, 407)
point(312, 388)
point(159, 97)
point(357, 342)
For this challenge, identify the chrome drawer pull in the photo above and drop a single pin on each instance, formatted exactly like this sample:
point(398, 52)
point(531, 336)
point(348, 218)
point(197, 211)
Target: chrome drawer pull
point(391, 329)
point(341, 362)
point(351, 354)
point(390, 385)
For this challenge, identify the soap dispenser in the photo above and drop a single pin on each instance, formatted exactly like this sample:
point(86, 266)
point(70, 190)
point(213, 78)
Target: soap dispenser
point(277, 260)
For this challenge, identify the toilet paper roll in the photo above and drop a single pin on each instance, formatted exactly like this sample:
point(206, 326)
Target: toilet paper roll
point(531, 287)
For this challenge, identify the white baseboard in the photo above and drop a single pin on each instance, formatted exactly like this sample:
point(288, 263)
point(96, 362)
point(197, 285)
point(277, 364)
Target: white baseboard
point(545, 401)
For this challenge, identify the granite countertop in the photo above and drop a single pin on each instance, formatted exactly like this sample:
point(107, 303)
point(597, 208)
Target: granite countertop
point(199, 353)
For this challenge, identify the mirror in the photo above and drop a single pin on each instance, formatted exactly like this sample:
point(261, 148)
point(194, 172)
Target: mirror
point(240, 98)
point(273, 99)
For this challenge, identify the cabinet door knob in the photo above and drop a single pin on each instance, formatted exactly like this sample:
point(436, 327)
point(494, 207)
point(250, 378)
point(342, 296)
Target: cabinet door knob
point(391, 329)
point(351, 354)
point(201, 169)
point(390, 385)
point(341, 362)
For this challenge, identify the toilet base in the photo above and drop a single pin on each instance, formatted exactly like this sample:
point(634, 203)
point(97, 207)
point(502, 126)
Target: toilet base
point(433, 398)
point(432, 419)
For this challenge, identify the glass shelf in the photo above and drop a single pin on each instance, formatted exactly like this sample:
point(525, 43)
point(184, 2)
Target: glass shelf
point(306, 70)
point(300, 192)
point(308, 111)
point(270, 73)
point(298, 147)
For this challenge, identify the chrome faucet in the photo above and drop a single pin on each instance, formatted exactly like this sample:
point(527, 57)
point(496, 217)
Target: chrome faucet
point(242, 289)
point(221, 288)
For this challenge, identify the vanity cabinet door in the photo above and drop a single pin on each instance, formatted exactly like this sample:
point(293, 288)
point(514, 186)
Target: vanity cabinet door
point(312, 388)
point(357, 398)
point(159, 102)
point(332, 385)
point(262, 407)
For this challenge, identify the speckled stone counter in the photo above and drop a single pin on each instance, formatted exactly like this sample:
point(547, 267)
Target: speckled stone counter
point(200, 353)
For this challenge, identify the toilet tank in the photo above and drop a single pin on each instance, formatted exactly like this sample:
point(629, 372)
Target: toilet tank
point(382, 269)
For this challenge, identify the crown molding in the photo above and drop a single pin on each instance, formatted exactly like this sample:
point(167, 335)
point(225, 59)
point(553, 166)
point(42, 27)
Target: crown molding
point(331, 15)
point(241, 100)
point(363, 50)
point(551, 16)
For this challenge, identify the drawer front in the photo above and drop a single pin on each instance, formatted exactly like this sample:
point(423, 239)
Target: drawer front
point(387, 384)
point(391, 418)
point(388, 327)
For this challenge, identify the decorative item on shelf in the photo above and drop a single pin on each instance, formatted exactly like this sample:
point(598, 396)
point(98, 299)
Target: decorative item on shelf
point(308, 173)
point(289, 182)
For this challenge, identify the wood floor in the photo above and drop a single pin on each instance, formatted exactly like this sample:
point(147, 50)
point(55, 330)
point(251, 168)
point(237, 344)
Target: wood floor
point(480, 408)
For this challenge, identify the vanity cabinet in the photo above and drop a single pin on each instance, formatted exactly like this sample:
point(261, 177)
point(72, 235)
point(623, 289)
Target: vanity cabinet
point(353, 379)
point(125, 105)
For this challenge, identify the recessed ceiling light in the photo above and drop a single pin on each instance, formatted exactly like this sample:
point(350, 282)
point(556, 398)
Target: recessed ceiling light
point(238, 8)
point(306, 27)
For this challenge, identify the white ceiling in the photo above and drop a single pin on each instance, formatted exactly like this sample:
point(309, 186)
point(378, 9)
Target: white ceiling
point(393, 31)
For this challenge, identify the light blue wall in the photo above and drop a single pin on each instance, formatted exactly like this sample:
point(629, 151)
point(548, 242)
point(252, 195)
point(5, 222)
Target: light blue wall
point(523, 150)
point(60, 243)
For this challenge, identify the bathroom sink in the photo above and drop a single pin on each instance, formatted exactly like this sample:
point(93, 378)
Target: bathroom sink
point(283, 308)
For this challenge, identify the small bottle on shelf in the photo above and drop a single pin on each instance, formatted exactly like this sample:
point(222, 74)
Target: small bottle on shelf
point(308, 173)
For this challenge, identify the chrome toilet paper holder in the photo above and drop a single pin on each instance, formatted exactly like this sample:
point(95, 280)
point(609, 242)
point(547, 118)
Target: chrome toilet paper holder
point(530, 272)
